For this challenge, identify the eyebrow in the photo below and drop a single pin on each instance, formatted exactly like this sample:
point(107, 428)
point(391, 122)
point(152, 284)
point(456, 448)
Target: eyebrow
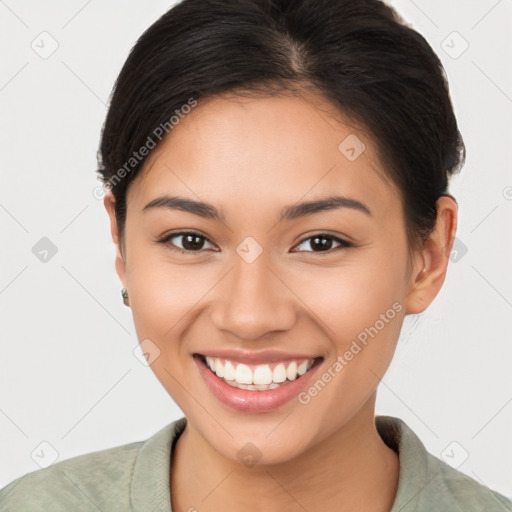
point(289, 212)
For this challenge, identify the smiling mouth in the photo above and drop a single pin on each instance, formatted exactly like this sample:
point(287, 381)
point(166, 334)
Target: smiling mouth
point(258, 377)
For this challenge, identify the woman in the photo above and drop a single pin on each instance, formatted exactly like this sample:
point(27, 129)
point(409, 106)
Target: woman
point(277, 186)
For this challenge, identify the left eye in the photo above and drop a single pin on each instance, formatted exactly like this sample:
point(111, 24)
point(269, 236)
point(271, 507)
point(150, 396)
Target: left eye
point(323, 242)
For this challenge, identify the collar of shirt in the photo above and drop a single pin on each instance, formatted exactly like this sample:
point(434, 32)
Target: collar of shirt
point(425, 482)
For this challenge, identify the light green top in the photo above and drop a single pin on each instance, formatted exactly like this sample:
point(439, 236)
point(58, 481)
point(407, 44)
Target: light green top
point(135, 477)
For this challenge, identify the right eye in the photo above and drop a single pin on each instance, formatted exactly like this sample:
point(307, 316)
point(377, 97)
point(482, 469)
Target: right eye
point(190, 242)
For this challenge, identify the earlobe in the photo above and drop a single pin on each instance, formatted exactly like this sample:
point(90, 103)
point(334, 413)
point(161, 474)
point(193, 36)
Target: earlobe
point(430, 269)
point(109, 203)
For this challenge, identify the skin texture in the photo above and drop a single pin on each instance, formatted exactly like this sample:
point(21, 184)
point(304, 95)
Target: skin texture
point(250, 158)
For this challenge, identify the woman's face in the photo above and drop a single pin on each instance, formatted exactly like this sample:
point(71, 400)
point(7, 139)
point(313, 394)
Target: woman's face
point(259, 289)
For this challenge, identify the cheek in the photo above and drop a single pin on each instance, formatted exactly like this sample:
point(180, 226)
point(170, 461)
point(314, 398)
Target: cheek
point(360, 306)
point(353, 296)
point(161, 297)
point(361, 310)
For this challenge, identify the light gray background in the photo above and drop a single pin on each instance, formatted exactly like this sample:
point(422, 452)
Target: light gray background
point(68, 375)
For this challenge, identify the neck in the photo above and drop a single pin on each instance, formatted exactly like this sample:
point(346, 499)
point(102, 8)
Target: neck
point(352, 469)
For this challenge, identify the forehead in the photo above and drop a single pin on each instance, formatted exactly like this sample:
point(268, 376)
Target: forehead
point(233, 149)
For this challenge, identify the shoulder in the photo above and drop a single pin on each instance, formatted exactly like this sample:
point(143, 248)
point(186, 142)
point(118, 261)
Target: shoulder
point(114, 479)
point(85, 482)
point(451, 487)
point(427, 483)
point(134, 475)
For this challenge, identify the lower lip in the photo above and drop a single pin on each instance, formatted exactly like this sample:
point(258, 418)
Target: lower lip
point(253, 401)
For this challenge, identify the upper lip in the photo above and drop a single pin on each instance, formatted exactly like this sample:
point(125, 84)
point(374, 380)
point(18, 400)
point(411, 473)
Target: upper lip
point(262, 357)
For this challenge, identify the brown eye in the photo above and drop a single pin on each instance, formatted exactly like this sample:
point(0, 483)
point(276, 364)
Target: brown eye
point(324, 243)
point(190, 242)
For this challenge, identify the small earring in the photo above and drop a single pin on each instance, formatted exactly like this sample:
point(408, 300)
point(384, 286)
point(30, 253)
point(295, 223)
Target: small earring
point(124, 293)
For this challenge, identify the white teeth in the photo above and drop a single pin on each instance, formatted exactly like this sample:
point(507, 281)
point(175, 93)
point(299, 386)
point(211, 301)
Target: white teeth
point(261, 377)
point(257, 387)
point(301, 369)
point(219, 368)
point(291, 372)
point(262, 374)
point(279, 374)
point(243, 374)
point(253, 387)
point(229, 371)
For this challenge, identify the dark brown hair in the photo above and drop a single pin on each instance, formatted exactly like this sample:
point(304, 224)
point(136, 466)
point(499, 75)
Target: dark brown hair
point(360, 55)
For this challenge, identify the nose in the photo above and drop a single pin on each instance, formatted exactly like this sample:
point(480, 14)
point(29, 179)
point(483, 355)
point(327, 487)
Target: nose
point(253, 300)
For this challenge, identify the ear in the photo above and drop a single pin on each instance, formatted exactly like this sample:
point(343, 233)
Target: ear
point(431, 263)
point(109, 203)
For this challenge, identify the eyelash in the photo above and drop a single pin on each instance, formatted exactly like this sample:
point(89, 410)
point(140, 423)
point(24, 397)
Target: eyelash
point(344, 244)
